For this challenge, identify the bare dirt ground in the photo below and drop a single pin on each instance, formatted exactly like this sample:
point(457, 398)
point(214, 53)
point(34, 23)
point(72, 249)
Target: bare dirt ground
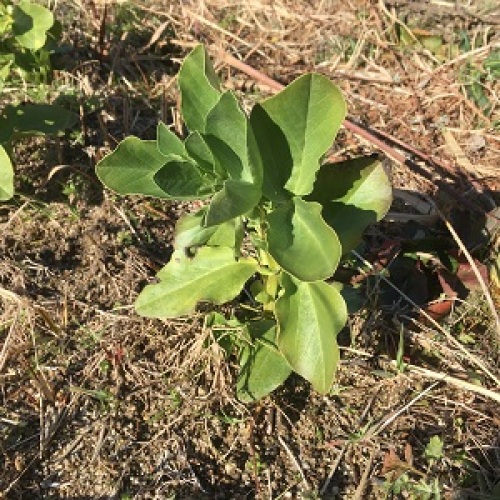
point(97, 402)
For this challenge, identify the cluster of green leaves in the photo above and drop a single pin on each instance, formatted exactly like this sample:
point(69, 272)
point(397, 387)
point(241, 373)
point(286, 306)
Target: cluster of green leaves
point(28, 35)
point(276, 223)
point(434, 43)
point(477, 77)
point(425, 488)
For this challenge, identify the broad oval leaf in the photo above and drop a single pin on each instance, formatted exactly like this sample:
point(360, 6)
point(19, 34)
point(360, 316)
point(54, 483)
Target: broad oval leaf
point(182, 180)
point(234, 199)
point(198, 150)
point(231, 140)
point(31, 23)
point(6, 176)
point(212, 275)
point(262, 367)
point(168, 142)
point(294, 129)
point(190, 231)
point(33, 119)
point(199, 88)
point(310, 315)
point(275, 153)
point(301, 242)
point(131, 167)
point(354, 194)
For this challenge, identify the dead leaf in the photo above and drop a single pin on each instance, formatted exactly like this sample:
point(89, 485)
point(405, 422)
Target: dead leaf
point(439, 309)
point(467, 275)
point(392, 465)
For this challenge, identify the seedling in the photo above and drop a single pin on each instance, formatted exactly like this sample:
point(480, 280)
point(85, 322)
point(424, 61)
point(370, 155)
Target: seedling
point(277, 220)
point(434, 449)
point(404, 484)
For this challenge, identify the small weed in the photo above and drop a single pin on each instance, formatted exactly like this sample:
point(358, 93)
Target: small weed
point(404, 484)
point(400, 364)
point(28, 36)
point(228, 20)
point(228, 419)
point(477, 78)
point(124, 238)
point(434, 449)
point(339, 46)
point(175, 398)
point(105, 367)
point(89, 338)
point(105, 398)
point(255, 464)
point(360, 434)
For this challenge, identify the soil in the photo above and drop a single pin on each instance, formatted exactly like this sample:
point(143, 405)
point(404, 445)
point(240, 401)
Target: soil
point(98, 402)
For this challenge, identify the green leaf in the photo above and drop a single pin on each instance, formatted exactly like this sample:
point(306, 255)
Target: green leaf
point(213, 275)
point(168, 143)
point(310, 315)
point(131, 167)
point(6, 176)
point(5, 19)
point(31, 23)
point(275, 153)
point(230, 137)
point(475, 89)
point(492, 64)
point(234, 199)
point(183, 180)
point(6, 61)
point(32, 119)
point(435, 448)
point(433, 43)
point(301, 242)
point(354, 194)
point(294, 129)
point(198, 150)
point(262, 367)
point(191, 232)
point(54, 36)
point(199, 88)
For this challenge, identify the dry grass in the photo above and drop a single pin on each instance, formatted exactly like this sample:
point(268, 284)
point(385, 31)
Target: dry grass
point(97, 402)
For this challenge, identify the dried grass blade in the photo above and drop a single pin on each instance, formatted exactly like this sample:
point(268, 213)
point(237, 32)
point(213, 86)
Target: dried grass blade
point(478, 275)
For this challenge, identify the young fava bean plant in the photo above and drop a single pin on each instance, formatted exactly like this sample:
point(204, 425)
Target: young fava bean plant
point(266, 185)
